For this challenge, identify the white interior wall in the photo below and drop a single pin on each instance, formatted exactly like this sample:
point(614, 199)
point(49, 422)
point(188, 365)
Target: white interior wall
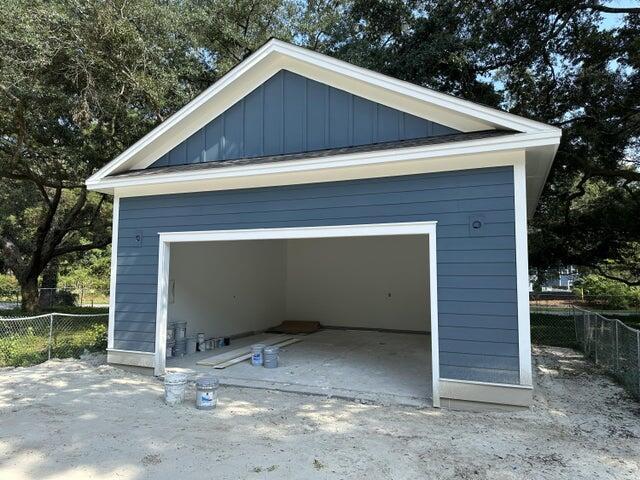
point(227, 288)
point(372, 282)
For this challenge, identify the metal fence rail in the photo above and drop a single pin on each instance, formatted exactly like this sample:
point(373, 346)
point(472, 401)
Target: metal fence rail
point(611, 344)
point(31, 340)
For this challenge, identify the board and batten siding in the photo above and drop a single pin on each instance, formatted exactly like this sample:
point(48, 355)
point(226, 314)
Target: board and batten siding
point(293, 114)
point(478, 324)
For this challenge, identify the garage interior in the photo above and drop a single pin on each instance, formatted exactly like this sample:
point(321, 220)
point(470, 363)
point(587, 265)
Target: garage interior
point(371, 295)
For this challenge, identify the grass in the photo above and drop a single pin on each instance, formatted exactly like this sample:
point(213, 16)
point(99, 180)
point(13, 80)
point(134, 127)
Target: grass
point(26, 342)
point(559, 330)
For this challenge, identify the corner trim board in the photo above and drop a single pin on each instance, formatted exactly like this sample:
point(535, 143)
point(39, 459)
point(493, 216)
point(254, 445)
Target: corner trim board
point(114, 273)
point(522, 270)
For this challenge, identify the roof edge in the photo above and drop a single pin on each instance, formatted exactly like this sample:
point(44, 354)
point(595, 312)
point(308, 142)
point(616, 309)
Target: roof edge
point(279, 49)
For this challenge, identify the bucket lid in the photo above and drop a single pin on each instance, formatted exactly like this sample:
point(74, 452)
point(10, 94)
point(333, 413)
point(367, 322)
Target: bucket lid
point(258, 346)
point(175, 378)
point(179, 323)
point(208, 381)
point(272, 349)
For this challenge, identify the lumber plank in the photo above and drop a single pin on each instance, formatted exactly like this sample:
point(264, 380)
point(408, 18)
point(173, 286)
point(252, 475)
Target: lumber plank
point(247, 356)
point(231, 354)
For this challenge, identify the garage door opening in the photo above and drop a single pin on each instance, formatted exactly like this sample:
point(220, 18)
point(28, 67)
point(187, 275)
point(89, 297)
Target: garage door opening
point(373, 293)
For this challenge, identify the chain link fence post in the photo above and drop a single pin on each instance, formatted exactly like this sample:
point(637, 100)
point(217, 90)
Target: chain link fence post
point(617, 358)
point(50, 336)
point(638, 360)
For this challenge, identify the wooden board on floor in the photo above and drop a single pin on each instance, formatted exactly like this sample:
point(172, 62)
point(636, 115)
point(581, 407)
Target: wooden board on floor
point(231, 354)
point(247, 356)
point(296, 326)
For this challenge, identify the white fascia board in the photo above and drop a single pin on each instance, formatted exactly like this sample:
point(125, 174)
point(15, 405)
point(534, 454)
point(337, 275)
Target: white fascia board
point(488, 114)
point(276, 55)
point(184, 112)
point(496, 144)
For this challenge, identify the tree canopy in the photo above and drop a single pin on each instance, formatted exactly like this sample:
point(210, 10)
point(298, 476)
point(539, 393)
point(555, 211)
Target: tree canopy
point(573, 64)
point(80, 81)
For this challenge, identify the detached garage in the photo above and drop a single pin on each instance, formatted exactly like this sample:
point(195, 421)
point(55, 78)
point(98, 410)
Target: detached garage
point(300, 187)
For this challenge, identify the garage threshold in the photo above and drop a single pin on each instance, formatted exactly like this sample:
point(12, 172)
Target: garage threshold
point(363, 366)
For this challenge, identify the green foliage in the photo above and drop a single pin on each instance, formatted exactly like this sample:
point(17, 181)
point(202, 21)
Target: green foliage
point(90, 270)
point(609, 294)
point(82, 81)
point(30, 345)
point(553, 330)
point(555, 61)
point(8, 283)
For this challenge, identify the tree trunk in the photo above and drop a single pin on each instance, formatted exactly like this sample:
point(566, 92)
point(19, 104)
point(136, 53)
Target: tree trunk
point(29, 291)
point(49, 285)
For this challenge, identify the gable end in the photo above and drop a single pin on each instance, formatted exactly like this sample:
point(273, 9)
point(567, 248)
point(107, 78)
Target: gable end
point(292, 114)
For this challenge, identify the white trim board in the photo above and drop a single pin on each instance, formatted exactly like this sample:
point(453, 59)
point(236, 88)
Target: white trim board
point(276, 55)
point(405, 228)
point(346, 167)
point(522, 270)
point(114, 271)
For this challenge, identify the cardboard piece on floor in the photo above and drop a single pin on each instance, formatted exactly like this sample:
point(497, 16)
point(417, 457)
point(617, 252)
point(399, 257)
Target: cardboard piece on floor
point(231, 354)
point(296, 326)
point(247, 356)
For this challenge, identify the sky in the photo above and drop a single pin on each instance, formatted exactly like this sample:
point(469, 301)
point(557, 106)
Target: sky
point(612, 20)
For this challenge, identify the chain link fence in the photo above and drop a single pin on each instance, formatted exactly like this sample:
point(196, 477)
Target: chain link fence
point(31, 340)
point(79, 296)
point(560, 303)
point(611, 344)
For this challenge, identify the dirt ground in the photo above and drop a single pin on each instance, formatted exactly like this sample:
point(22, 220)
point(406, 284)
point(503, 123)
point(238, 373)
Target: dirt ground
point(79, 419)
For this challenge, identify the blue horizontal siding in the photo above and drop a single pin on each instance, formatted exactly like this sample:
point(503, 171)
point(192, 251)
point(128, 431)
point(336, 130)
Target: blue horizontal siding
point(476, 272)
point(293, 114)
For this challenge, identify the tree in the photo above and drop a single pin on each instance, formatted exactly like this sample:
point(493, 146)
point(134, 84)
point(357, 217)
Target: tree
point(80, 81)
point(554, 61)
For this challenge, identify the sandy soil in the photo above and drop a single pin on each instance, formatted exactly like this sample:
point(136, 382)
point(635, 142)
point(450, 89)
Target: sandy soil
point(79, 419)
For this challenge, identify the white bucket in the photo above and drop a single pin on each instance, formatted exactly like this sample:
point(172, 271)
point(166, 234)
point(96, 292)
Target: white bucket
point(257, 354)
point(271, 356)
point(192, 342)
point(180, 330)
point(170, 347)
point(175, 385)
point(206, 393)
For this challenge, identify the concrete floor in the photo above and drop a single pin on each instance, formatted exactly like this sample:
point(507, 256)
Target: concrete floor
point(386, 368)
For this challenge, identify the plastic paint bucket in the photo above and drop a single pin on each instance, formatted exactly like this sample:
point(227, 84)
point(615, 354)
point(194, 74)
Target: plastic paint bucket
point(191, 345)
point(181, 330)
point(219, 342)
point(207, 393)
point(201, 346)
point(256, 354)
point(175, 385)
point(180, 347)
point(270, 357)
point(171, 332)
point(170, 346)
